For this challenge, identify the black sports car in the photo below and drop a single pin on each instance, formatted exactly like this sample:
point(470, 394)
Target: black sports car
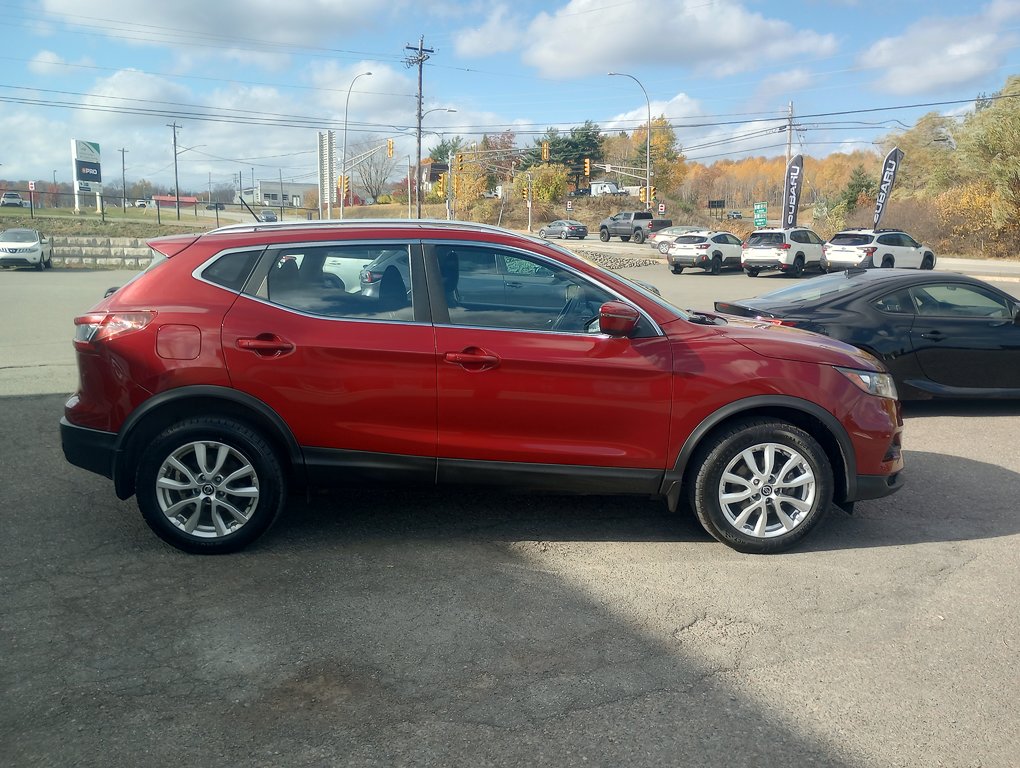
point(940, 334)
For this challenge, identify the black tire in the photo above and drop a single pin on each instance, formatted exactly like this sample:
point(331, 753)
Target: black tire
point(625, 238)
point(239, 454)
point(604, 235)
point(677, 270)
point(639, 236)
point(888, 262)
point(786, 495)
point(40, 265)
point(716, 267)
point(797, 270)
point(752, 272)
point(928, 262)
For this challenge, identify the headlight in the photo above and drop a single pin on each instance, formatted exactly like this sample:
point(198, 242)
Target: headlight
point(878, 384)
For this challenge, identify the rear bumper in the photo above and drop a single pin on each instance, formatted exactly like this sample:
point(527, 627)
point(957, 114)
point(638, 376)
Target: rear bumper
point(766, 264)
point(89, 449)
point(690, 260)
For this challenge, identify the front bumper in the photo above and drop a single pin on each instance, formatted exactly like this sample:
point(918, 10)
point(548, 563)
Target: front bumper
point(877, 486)
point(28, 260)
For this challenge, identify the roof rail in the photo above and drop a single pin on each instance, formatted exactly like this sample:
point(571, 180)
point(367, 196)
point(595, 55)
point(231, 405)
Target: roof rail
point(350, 223)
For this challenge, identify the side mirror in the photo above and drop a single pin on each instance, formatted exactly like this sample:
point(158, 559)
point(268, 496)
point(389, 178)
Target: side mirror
point(110, 291)
point(617, 318)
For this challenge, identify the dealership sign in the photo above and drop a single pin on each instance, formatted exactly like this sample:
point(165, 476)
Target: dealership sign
point(87, 169)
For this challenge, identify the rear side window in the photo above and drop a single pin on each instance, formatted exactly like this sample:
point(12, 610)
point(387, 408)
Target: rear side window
point(231, 270)
point(643, 215)
point(850, 239)
point(766, 238)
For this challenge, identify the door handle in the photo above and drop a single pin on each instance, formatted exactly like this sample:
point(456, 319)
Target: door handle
point(472, 358)
point(266, 345)
point(514, 285)
point(933, 336)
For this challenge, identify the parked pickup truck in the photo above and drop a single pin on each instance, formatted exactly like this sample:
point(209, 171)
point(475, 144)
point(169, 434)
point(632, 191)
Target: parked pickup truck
point(631, 224)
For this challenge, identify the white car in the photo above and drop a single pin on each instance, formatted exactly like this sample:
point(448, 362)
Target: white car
point(875, 248)
point(788, 250)
point(25, 248)
point(710, 250)
point(12, 199)
point(661, 239)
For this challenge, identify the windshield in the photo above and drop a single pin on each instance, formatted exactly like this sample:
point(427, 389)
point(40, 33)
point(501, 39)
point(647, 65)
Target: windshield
point(689, 239)
point(766, 238)
point(18, 236)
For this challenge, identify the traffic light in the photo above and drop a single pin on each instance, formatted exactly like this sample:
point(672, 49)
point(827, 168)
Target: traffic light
point(524, 192)
point(441, 185)
point(587, 166)
point(389, 147)
point(460, 162)
point(643, 197)
point(651, 195)
point(345, 184)
point(545, 151)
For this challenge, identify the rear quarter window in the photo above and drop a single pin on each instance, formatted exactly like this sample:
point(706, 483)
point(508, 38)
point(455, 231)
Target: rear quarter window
point(231, 270)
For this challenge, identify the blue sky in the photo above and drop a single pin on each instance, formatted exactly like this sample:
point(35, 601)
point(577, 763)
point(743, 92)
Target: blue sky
point(253, 82)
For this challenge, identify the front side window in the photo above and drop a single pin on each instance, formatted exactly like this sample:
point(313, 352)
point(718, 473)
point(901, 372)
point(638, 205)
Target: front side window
point(949, 300)
point(354, 282)
point(519, 292)
point(897, 302)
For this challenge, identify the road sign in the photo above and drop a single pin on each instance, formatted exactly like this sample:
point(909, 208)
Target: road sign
point(570, 205)
point(761, 214)
point(662, 208)
point(31, 186)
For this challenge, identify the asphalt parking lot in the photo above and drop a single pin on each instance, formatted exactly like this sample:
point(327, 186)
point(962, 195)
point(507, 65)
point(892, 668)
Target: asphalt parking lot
point(384, 627)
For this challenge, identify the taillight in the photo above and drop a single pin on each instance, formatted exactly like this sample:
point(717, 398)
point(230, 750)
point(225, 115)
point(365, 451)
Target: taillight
point(102, 326)
point(870, 250)
point(368, 276)
point(744, 246)
point(784, 247)
point(777, 321)
point(702, 245)
point(825, 249)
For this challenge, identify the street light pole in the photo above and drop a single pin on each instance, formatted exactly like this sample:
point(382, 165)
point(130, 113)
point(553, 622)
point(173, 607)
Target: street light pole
point(177, 186)
point(343, 156)
point(648, 143)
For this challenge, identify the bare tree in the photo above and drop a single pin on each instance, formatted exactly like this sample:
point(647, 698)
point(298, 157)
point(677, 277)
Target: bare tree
point(375, 172)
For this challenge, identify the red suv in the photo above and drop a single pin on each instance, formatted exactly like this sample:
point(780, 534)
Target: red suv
point(249, 361)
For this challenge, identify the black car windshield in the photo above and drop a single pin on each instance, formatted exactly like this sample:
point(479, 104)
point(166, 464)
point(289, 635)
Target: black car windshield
point(572, 223)
point(812, 290)
point(850, 239)
point(689, 239)
point(18, 236)
point(766, 238)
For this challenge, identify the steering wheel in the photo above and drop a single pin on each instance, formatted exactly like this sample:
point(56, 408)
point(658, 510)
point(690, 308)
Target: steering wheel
point(576, 313)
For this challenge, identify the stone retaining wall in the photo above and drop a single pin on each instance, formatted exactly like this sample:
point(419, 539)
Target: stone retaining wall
point(101, 252)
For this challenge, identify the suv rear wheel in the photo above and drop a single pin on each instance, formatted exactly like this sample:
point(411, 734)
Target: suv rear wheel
point(798, 267)
point(210, 485)
point(761, 485)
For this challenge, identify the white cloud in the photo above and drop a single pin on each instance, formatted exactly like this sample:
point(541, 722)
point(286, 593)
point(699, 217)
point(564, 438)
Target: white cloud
point(46, 63)
point(729, 38)
point(500, 33)
point(935, 54)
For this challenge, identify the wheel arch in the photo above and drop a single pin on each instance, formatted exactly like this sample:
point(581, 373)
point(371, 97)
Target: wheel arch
point(812, 418)
point(159, 412)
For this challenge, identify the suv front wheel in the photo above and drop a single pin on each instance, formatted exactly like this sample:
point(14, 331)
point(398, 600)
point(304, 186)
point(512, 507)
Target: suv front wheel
point(210, 485)
point(761, 485)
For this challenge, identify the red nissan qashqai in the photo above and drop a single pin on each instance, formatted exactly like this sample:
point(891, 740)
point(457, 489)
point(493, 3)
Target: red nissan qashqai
point(253, 360)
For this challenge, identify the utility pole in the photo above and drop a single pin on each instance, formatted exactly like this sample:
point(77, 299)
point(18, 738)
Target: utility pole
point(123, 182)
point(177, 186)
point(421, 55)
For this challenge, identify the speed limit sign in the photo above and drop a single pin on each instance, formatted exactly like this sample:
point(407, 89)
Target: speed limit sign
point(662, 208)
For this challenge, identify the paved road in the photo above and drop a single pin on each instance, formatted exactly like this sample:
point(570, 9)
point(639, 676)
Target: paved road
point(387, 628)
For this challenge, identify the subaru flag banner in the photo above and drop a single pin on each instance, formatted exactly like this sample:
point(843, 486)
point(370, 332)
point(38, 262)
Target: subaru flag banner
point(889, 167)
point(791, 191)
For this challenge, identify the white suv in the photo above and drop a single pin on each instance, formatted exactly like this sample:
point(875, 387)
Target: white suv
point(788, 250)
point(12, 198)
point(875, 248)
point(706, 249)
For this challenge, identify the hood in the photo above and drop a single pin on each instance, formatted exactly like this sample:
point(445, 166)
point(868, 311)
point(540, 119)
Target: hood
point(785, 343)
